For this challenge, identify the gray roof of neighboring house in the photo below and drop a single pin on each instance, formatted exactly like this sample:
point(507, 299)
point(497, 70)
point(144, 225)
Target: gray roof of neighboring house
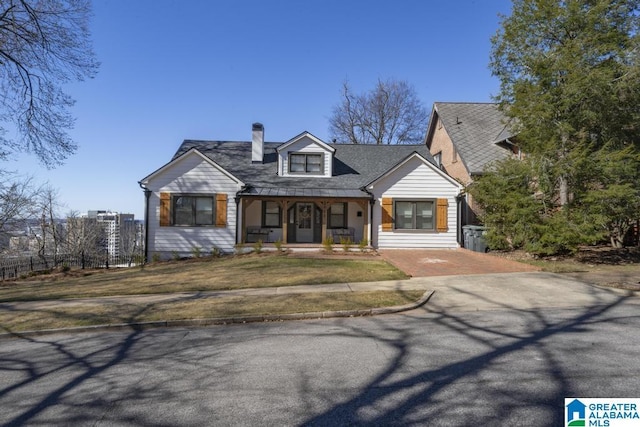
point(354, 167)
point(475, 129)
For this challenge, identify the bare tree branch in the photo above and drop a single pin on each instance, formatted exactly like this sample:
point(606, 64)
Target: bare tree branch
point(389, 114)
point(43, 45)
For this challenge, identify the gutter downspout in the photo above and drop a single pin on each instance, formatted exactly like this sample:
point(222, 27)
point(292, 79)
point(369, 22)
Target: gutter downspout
point(147, 194)
point(372, 202)
point(238, 199)
point(459, 198)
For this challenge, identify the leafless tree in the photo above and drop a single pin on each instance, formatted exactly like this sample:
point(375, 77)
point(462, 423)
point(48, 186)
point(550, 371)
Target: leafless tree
point(131, 246)
point(50, 233)
point(84, 236)
point(18, 204)
point(43, 46)
point(391, 113)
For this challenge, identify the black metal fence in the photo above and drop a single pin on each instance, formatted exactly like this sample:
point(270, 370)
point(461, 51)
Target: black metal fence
point(15, 267)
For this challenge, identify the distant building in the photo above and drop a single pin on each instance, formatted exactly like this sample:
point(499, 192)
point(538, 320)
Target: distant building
point(35, 236)
point(119, 231)
point(100, 231)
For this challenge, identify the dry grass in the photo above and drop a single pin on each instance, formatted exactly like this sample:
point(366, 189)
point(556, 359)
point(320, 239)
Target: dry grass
point(600, 265)
point(248, 271)
point(41, 315)
point(53, 301)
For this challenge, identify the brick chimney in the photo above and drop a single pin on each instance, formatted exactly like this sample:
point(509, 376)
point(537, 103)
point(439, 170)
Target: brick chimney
point(257, 143)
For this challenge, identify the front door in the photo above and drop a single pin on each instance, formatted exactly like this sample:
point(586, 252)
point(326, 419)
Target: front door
point(304, 222)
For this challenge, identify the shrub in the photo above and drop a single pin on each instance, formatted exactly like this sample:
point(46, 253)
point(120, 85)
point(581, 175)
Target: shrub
point(138, 259)
point(65, 268)
point(215, 252)
point(196, 251)
point(346, 243)
point(559, 234)
point(155, 257)
point(364, 243)
point(278, 245)
point(327, 244)
point(175, 255)
point(257, 246)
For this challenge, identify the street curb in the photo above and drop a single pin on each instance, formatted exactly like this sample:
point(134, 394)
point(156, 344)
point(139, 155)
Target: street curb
point(141, 326)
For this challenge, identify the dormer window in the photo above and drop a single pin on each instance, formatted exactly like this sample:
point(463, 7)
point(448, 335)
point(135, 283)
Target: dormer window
point(306, 163)
point(305, 155)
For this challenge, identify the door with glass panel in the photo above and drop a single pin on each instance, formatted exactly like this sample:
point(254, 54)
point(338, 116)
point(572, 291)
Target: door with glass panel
point(304, 222)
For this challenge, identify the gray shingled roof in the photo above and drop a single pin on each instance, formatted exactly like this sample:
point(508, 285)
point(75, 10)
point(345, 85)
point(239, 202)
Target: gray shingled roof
point(354, 167)
point(475, 129)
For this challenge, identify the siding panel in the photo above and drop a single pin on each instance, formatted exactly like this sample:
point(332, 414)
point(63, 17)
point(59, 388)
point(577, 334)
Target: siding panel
point(305, 145)
point(191, 175)
point(415, 180)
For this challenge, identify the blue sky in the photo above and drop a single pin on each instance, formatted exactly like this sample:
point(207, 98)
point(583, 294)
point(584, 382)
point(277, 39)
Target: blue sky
point(204, 69)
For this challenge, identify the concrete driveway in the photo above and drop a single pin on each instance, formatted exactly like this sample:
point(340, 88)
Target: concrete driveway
point(515, 291)
point(448, 262)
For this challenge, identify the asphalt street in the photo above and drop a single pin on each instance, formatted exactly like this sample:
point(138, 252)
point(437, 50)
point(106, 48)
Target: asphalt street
point(504, 362)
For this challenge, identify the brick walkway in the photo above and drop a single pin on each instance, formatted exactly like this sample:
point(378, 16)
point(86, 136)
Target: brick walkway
point(448, 262)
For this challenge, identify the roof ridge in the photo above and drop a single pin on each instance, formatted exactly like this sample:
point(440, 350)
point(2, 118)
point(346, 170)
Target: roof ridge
point(466, 103)
point(207, 141)
point(376, 145)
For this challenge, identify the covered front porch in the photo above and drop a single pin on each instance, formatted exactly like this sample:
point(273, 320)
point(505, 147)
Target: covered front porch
point(304, 220)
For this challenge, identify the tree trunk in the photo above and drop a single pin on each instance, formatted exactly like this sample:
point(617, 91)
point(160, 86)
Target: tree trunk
point(563, 191)
point(616, 242)
point(616, 235)
point(562, 180)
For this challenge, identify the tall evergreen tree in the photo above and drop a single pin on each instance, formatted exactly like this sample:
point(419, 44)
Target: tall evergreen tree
point(570, 76)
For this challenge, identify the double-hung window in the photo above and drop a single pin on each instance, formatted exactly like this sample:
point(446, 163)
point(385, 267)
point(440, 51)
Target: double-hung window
point(305, 163)
point(192, 210)
point(415, 214)
point(271, 214)
point(338, 215)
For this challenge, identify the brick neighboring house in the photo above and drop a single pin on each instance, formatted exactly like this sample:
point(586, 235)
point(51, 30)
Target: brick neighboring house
point(465, 137)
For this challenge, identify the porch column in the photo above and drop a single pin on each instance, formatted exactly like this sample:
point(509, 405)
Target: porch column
point(243, 221)
point(245, 205)
point(364, 205)
point(325, 207)
point(284, 205)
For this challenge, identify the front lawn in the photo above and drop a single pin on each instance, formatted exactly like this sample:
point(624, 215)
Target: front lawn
point(52, 301)
point(200, 275)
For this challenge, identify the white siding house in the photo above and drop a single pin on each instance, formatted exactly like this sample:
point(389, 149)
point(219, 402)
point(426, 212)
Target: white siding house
point(192, 175)
point(217, 194)
point(415, 180)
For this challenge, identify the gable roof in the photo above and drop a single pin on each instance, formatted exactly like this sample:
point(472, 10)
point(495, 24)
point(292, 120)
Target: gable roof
point(176, 159)
point(309, 135)
point(355, 165)
point(416, 155)
point(475, 129)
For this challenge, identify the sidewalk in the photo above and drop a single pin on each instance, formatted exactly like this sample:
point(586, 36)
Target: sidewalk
point(441, 283)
